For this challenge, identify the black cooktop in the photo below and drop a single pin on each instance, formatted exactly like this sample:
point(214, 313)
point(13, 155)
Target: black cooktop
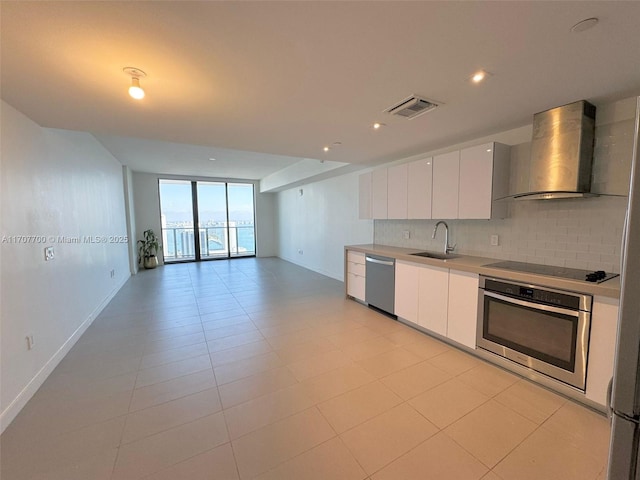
point(598, 276)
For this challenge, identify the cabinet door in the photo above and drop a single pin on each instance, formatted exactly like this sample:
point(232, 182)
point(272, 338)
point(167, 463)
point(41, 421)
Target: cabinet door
point(419, 185)
point(364, 196)
point(406, 291)
point(379, 193)
point(476, 181)
point(446, 170)
point(432, 303)
point(397, 191)
point(463, 308)
point(602, 347)
point(356, 286)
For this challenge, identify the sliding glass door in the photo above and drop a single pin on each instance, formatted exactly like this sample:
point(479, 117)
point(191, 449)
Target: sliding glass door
point(176, 218)
point(242, 239)
point(224, 215)
point(212, 220)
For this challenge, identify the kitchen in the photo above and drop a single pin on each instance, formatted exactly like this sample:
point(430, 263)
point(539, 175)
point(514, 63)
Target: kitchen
point(529, 319)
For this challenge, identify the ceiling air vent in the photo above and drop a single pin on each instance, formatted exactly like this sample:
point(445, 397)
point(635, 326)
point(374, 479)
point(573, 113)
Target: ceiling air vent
point(412, 107)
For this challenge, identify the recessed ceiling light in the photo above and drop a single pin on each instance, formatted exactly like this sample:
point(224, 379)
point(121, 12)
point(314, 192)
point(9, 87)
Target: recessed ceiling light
point(585, 24)
point(378, 126)
point(326, 149)
point(212, 159)
point(479, 76)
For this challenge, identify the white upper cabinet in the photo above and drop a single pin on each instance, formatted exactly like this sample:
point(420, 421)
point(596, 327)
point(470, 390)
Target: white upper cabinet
point(484, 177)
point(446, 173)
point(463, 184)
point(364, 196)
point(419, 184)
point(397, 191)
point(379, 193)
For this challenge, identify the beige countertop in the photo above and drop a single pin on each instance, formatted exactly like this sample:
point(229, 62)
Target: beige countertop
point(467, 263)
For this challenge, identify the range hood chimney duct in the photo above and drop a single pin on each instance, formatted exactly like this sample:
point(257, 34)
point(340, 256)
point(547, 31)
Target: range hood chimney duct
point(561, 153)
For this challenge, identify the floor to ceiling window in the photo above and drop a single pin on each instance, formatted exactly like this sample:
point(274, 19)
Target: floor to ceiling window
point(223, 213)
point(176, 218)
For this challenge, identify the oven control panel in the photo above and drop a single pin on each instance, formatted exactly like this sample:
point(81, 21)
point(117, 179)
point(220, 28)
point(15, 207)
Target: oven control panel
point(535, 294)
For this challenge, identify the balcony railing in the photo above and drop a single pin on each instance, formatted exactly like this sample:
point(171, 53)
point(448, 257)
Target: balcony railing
point(178, 242)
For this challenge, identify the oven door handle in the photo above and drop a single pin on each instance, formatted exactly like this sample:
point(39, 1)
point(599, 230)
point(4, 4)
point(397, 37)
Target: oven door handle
point(537, 306)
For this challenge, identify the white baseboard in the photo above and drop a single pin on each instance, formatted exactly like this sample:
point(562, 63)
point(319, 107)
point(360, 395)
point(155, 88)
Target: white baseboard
point(321, 271)
point(18, 403)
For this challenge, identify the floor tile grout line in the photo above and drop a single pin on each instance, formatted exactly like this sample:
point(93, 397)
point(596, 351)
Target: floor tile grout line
point(302, 312)
point(158, 432)
point(124, 426)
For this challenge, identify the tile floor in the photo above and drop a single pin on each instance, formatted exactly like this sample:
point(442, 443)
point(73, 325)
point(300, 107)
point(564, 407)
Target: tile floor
point(259, 369)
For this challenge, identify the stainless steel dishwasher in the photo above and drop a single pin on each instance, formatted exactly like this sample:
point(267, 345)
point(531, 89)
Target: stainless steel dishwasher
point(380, 284)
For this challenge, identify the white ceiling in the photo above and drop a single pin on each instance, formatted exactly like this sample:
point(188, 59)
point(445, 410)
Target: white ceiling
point(287, 78)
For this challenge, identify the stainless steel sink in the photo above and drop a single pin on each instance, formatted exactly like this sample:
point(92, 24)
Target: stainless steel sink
point(438, 256)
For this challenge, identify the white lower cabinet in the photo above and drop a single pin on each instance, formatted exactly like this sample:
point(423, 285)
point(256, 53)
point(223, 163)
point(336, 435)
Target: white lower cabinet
point(356, 278)
point(463, 308)
point(602, 347)
point(421, 295)
point(432, 299)
point(406, 291)
point(445, 302)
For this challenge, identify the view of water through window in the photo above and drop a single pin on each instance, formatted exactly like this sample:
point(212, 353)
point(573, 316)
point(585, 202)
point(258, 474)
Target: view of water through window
point(226, 220)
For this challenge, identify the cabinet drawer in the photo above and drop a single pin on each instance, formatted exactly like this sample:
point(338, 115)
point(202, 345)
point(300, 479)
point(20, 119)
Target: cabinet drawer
point(355, 257)
point(356, 286)
point(356, 268)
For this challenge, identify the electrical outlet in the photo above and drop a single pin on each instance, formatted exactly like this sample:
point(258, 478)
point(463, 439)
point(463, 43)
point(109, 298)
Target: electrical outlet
point(49, 254)
point(30, 342)
point(495, 240)
point(406, 234)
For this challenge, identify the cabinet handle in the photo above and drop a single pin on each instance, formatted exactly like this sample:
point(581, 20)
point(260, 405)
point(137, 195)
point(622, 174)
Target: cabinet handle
point(381, 262)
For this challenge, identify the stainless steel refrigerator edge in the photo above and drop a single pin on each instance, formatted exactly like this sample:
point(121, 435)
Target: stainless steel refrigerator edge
point(625, 395)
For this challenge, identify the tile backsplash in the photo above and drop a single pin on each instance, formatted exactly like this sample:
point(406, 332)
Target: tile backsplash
point(581, 233)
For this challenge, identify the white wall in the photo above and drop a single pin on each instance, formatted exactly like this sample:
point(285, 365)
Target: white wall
point(146, 203)
point(127, 177)
point(55, 184)
point(266, 227)
point(320, 222)
point(147, 209)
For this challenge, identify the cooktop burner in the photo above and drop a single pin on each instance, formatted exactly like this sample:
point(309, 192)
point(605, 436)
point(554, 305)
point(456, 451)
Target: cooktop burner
point(562, 272)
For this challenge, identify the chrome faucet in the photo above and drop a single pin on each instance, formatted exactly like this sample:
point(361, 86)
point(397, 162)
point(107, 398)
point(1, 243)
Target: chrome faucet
point(447, 248)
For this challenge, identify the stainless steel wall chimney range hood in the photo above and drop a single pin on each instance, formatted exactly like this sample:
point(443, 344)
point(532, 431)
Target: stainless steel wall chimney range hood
point(561, 153)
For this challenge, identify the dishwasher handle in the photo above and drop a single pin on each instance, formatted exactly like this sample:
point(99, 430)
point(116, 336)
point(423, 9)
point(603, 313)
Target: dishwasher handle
point(390, 263)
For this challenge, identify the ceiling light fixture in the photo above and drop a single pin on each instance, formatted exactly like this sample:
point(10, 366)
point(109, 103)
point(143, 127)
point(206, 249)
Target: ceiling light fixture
point(135, 90)
point(585, 24)
point(479, 76)
point(326, 149)
point(378, 126)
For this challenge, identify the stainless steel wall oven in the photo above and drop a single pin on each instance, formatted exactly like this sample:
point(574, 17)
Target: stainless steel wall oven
point(541, 328)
